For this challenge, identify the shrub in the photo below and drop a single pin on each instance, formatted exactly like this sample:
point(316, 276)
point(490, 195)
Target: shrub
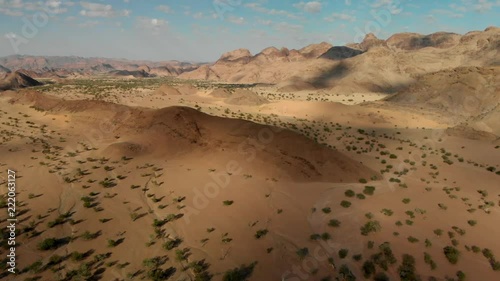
point(381, 277)
point(407, 268)
point(241, 273)
point(346, 273)
point(361, 196)
point(368, 269)
point(387, 212)
point(326, 210)
point(472, 222)
point(345, 204)
point(302, 253)
point(112, 243)
point(370, 226)
point(412, 239)
point(334, 223)
point(369, 190)
point(349, 193)
point(406, 200)
point(452, 254)
point(363, 181)
point(315, 236)
point(48, 244)
point(428, 260)
point(326, 236)
point(343, 253)
point(261, 233)
point(428, 243)
point(170, 244)
point(228, 202)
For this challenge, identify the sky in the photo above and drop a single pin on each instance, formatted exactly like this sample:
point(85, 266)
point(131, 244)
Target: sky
point(202, 30)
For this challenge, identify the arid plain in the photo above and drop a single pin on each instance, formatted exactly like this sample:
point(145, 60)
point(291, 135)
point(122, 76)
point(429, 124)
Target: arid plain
point(371, 161)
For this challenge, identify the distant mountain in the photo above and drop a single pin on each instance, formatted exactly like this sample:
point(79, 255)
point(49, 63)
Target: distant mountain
point(373, 65)
point(17, 80)
point(4, 70)
point(63, 66)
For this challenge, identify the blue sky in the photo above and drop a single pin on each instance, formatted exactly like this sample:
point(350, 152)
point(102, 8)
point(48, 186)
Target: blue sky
point(201, 30)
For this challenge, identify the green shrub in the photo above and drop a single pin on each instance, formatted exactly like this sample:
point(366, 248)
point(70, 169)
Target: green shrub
point(302, 253)
point(334, 223)
point(326, 210)
point(452, 254)
point(407, 270)
point(261, 233)
point(349, 193)
point(343, 253)
point(472, 222)
point(368, 269)
point(370, 226)
point(241, 273)
point(412, 239)
point(345, 204)
point(369, 190)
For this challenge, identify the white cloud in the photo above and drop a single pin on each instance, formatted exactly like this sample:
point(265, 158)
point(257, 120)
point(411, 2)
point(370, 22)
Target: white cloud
point(340, 16)
point(89, 23)
point(198, 15)
point(152, 24)
point(164, 8)
point(448, 13)
point(287, 27)
point(265, 22)
point(12, 13)
point(236, 20)
point(94, 10)
point(430, 19)
point(258, 8)
point(309, 7)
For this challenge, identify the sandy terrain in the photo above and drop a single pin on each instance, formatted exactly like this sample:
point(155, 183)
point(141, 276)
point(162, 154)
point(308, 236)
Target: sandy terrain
point(220, 189)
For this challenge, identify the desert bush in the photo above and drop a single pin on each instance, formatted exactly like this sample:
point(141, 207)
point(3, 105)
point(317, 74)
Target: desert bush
point(302, 253)
point(326, 210)
point(345, 204)
point(261, 233)
point(343, 253)
point(387, 212)
point(452, 254)
point(334, 223)
point(349, 193)
point(412, 239)
point(228, 202)
point(368, 269)
point(370, 226)
point(369, 190)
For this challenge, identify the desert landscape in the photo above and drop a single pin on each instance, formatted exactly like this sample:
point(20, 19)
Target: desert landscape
point(376, 160)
